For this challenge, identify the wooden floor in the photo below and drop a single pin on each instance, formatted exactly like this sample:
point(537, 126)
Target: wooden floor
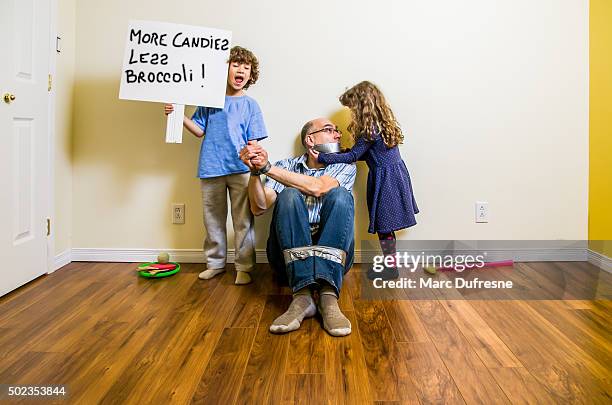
point(113, 337)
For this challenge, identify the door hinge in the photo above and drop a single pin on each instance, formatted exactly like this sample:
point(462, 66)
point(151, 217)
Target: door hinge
point(48, 226)
point(50, 82)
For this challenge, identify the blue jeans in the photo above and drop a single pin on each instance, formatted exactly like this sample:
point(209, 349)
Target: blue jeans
point(290, 229)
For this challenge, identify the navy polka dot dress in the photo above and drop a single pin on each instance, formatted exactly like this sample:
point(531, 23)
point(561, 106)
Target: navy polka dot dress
point(390, 198)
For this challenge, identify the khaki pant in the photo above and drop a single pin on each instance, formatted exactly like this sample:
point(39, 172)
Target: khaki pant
point(214, 201)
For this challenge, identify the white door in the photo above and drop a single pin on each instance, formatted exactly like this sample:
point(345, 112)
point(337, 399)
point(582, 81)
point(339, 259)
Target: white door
point(24, 140)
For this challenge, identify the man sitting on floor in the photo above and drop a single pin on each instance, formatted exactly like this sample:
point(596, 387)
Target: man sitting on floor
point(311, 235)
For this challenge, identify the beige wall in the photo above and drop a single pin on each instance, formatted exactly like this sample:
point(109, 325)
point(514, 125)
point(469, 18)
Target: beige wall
point(63, 83)
point(492, 96)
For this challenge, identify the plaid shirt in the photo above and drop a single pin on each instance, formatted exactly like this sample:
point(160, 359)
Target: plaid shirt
point(344, 173)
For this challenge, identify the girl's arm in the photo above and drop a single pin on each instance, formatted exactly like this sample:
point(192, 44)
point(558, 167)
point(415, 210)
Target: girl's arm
point(353, 155)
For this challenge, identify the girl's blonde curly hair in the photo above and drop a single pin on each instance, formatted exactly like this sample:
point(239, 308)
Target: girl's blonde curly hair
point(371, 114)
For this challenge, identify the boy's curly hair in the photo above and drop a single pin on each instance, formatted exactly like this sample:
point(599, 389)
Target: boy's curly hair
point(371, 114)
point(243, 55)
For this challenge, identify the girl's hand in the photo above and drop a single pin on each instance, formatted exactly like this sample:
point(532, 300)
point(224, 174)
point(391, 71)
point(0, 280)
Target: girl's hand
point(168, 109)
point(314, 153)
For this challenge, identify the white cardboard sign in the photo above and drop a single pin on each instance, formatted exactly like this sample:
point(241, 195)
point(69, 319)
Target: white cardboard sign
point(175, 63)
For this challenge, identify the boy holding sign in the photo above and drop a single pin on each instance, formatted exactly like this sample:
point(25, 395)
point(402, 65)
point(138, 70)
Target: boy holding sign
point(226, 131)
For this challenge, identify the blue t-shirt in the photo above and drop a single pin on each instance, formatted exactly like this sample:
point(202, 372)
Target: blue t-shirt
point(227, 131)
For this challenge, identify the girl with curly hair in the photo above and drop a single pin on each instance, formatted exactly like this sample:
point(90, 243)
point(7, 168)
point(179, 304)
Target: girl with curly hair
point(377, 134)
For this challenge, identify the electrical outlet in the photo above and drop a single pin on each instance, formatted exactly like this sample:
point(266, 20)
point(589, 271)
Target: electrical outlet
point(482, 212)
point(178, 213)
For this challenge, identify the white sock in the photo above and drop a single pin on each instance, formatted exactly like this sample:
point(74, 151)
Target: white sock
point(242, 277)
point(208, 274)
point(334, 321)
point(301, 307)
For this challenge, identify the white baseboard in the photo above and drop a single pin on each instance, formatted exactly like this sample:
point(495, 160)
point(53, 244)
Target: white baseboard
point(136, 255)
point(361, 256)
point(148, 255)
point(601, 261)
point(61, 260)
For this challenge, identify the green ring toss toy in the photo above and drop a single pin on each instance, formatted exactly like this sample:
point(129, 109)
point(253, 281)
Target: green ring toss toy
point(158, 274)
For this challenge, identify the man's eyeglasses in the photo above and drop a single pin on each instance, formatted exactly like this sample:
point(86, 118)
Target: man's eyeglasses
point(329, 130)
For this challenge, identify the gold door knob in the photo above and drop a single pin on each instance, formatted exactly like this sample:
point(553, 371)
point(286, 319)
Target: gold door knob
point(8, 97)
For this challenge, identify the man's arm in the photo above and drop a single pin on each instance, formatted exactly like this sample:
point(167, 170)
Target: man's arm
point(260, 198)
point(314, 186)
point(309, 185)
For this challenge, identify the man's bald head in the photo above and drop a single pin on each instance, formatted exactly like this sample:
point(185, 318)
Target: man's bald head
point(305, 130)
point(312, 125)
